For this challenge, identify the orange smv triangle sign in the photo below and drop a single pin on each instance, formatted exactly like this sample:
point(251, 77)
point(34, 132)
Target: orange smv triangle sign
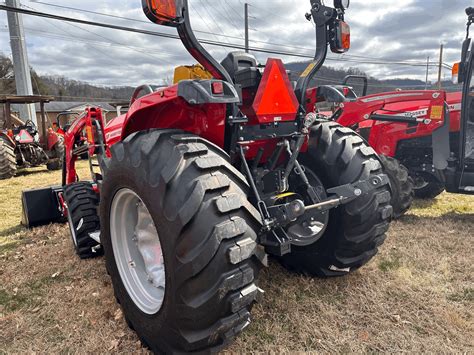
point(275, 100)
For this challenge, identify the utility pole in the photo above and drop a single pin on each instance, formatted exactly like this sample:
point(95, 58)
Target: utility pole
point(427, 72)
point(246, 27)
point(20, 60)
point(440, 66)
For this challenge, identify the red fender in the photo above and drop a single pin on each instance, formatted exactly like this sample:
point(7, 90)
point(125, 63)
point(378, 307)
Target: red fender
point(165, 109)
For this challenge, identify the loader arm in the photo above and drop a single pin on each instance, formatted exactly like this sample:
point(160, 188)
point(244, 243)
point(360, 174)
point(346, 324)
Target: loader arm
point(364, 108)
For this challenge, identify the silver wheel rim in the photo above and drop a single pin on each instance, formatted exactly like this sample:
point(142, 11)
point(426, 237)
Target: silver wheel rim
point(137, 251)
point(420, 183)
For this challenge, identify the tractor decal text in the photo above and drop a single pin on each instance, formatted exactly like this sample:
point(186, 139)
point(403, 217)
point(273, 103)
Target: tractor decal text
point(391, 96)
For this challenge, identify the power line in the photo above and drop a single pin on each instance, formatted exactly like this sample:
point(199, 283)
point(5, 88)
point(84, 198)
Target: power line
point(226, 15)
point(216, 23)
point(234, 10)
point(121, 17)
point(204, 41)
point(447, 66)
point(53, 35)
point(148, 23)
point(113, 41)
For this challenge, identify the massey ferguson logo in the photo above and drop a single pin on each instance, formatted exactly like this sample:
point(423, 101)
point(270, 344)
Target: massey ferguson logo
point(415, 114)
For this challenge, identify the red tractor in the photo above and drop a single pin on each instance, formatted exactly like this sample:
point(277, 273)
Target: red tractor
point(414, 132)
point(199, 181)
point(20, 142)
point(399, 126)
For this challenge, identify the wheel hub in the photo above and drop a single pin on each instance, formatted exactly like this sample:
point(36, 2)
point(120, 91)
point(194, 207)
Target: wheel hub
point(419, 182)
point(137, 251)
point(308, 228)
point(149, 247)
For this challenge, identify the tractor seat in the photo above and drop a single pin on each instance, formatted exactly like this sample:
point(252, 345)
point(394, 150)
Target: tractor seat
point(243, 69)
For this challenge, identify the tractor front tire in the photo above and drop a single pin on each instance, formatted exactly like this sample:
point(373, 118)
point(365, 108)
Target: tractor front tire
point(401, 184)
point(204, 229)
point(57, 162)
point(7, 160)
point(82, 214)
point(355, 230)
point(428, 188)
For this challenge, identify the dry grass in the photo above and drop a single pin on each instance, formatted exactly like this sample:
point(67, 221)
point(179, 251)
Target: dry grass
point(416, 295)
point(11, 232)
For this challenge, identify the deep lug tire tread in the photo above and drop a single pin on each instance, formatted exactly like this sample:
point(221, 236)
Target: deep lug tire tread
point(401, 183)
point(8, 166)
point(200, 199)
point(355, 231)
point(82, 203)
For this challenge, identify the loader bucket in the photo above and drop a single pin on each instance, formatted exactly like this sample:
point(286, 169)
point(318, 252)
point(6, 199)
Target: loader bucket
point(41, 207)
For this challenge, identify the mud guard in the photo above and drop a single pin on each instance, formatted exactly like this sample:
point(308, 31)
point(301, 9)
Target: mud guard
point(41, 207)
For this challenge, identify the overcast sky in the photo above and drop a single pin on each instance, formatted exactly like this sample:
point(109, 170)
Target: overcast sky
point(401, 30)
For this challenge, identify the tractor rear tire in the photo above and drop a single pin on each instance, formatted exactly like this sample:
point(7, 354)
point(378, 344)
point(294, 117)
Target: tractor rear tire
point(7, 160)
point(207, 232)
point(355, 231)
point(82, 213)
point(57, 162)
point(401, 184)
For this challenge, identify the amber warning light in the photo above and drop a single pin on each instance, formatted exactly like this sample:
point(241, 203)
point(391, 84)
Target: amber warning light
point(163, 12)
point(341, 42)
point(455, 73)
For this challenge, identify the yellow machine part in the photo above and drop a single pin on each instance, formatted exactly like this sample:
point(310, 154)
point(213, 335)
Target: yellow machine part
point(191, 72)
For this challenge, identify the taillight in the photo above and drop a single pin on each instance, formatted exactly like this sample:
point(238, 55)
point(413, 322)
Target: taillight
point(10, 133)
point(217, 87)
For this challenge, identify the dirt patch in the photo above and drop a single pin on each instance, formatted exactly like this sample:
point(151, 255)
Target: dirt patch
point(416, 295)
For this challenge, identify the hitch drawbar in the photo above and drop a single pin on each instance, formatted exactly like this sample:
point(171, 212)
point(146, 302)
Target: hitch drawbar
point(338, 196)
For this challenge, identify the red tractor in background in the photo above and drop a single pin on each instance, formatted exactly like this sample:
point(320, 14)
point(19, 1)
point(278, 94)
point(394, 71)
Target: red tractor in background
point(199, 181)
point(414, 132)
point(22, 145)
point(399, 126)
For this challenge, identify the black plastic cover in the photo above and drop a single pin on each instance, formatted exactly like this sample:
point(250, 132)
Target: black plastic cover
point(249, 77)
point(197, 92)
